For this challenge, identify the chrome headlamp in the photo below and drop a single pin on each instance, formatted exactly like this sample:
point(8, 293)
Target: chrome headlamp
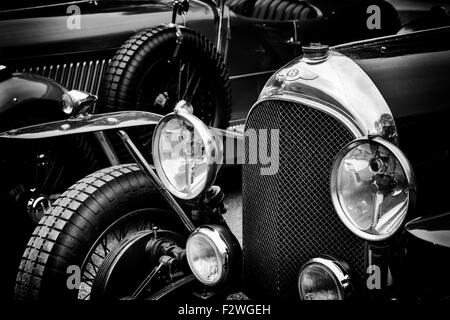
point(186, 154)
point(372, 188)
point(324, 278)
point(212, 253)
point(74, 101)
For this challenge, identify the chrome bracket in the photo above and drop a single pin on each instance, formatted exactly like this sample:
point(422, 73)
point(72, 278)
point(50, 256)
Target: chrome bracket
point(179, 42)
point(153, 177)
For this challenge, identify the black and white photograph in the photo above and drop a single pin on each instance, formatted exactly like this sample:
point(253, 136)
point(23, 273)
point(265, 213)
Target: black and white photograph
point(225, 157)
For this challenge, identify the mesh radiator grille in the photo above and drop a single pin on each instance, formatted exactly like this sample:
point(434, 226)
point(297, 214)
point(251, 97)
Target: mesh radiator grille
point(288, 216)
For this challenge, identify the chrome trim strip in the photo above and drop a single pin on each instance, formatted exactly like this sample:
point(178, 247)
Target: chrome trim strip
point(65, 4)
point(394, 36)
point(237, 122)
point(318, 105)
point(254, 74)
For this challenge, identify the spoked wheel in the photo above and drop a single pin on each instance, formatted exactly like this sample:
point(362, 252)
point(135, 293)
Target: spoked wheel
point(121, 258)
point(133, 267)
point(83, 246)
point(151, 72)
point(179, 80)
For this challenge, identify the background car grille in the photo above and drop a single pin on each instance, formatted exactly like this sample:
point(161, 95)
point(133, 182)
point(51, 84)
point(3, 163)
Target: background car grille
point(288, 217)
point(81, 75)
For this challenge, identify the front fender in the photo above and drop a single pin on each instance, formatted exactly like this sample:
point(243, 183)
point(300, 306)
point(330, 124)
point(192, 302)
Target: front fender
point(94, 123)
point(22, 89)
point(432, 229)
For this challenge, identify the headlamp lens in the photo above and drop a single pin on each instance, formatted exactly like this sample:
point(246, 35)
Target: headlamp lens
point(183, 157)
point(204, 258)
point(316, 282)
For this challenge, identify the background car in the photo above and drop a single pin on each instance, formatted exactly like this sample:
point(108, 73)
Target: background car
point(254, 37)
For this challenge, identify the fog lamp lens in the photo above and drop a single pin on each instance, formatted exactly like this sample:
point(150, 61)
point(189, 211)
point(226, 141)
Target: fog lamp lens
point(205, 260)
point(323, 279)
point(316, 283)
point(211, 251)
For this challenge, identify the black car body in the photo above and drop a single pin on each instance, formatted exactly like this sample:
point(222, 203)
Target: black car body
point(395, 88)
point(255, 37)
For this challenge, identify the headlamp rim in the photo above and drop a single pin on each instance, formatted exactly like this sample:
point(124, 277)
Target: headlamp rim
point(221, 247)
point(407, 168)
point(210, 146)
point(335, 269)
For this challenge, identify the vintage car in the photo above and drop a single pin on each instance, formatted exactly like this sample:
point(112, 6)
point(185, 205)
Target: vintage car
point(345, 190)
point(79, 43)
point(329, 222)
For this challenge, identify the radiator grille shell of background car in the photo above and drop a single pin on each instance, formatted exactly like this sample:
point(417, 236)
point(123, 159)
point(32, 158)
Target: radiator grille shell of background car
point(288, 217)
point(80, 75)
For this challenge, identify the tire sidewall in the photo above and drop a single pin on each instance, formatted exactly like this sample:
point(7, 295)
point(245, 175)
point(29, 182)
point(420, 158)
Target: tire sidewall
point(79, 232)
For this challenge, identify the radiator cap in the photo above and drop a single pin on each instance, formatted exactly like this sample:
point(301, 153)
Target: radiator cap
point(315, 52)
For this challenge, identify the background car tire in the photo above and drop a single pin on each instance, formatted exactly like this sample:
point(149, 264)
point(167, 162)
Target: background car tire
point(143, 73)
point(67, 232)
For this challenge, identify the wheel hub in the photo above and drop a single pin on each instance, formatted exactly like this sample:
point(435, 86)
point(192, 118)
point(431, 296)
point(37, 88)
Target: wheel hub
point(130, 262)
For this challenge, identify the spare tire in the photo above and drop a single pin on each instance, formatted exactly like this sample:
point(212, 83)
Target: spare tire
point(150, 72)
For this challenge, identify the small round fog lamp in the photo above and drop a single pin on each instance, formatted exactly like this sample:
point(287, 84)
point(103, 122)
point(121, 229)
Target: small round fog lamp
point(211, 253)
point(324, 279)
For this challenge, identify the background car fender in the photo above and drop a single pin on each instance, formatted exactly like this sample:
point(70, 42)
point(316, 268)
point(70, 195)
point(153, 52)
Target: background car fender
point(21, 91)
point(434, 229)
